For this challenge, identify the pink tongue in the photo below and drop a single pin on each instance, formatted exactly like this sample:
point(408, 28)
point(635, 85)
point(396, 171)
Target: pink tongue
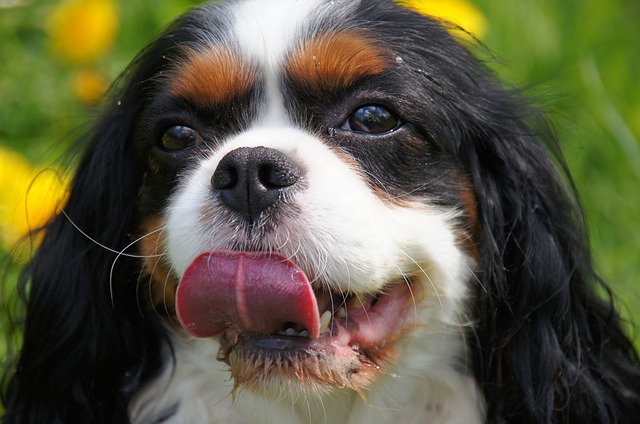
point(254, 292)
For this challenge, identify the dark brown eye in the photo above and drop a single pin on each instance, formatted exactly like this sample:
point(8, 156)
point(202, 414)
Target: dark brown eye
point(179, 137)
point(372, 119)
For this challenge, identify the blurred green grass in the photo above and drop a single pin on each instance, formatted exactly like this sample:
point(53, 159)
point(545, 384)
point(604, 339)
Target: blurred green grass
point(580, 56)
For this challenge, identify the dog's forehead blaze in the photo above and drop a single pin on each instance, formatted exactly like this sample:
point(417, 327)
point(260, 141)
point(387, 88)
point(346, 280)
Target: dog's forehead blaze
point(212, 76)
point(334, 61)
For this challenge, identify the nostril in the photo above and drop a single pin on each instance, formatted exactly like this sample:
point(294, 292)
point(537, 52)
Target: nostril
point(279, 173)
point(267, 178)
point(224, 177)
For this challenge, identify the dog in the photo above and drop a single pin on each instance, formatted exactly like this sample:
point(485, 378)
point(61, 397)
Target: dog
point(318, 212)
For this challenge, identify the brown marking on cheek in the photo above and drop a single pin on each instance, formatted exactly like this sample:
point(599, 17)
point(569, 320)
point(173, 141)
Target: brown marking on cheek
point(160, 278)
point(335, 61)
point(212, 76)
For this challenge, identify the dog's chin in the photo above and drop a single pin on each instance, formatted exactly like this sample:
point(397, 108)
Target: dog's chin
point(292, 365)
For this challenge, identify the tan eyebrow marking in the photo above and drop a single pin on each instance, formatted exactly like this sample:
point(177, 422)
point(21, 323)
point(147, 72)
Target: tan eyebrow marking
point(334, 61)
point(212, 76)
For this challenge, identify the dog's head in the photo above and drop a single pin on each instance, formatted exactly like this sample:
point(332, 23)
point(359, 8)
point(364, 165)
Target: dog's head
point(305, 202)
point(331, 192)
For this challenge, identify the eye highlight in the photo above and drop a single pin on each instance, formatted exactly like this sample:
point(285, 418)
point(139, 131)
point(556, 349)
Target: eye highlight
point(179, 137)
point(372, 119)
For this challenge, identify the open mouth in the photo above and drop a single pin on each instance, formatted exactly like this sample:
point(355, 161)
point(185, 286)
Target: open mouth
point(271, 322)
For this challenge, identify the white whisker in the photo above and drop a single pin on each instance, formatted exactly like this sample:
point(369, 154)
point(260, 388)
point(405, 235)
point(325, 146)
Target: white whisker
point(118, 252)
point(121, 253)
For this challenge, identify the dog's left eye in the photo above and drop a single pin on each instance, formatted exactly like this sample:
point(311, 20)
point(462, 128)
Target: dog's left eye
point(372, 119)
point(179, 137)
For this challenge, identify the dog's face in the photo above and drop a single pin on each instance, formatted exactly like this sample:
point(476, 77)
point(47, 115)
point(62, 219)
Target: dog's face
point(303, 204)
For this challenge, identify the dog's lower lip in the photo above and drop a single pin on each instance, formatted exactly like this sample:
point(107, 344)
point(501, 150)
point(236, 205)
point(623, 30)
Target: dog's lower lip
point(277, 342)
point(274, 344)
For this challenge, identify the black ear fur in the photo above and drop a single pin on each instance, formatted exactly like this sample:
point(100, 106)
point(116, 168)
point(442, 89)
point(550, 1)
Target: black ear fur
point(73, 365)
point(87, 343)
point(547, 347)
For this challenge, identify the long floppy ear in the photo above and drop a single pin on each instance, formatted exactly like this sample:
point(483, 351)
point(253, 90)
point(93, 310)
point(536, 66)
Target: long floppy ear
point(546, 345)
point(73, 361)
point(88, 344)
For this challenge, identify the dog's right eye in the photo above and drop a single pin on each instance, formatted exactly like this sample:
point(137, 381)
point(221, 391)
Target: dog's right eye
point(179, 137)
point(372, 119)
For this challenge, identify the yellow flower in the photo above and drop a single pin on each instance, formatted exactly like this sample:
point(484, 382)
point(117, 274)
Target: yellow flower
point(459, 12)
point(83, 30)
point(28, 199)
point(88, 86)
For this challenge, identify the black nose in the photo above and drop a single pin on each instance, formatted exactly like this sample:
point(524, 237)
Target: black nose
point(251, 179)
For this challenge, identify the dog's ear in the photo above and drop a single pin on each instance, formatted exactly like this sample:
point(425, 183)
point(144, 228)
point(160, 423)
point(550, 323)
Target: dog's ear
point(88, 342)
point(81, 310)
point(546, 345)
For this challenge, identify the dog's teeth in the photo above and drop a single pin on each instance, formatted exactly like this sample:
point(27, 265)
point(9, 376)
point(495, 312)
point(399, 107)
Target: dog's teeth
point(290, 332)
point(341, 313)
point(304, 333)
point(325, 319)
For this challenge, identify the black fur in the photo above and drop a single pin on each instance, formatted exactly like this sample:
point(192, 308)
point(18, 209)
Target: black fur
point(87, 350)
point(546, 347)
